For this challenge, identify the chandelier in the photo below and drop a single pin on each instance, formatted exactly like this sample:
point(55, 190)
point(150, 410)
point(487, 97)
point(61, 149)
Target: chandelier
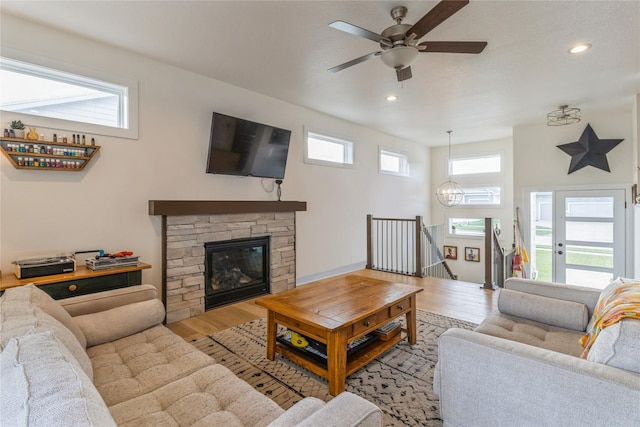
point(449, 193)
point(563, 116)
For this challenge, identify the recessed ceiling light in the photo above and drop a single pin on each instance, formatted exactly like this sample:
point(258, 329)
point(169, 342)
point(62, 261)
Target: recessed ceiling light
point(391, 98)
point(580, 48)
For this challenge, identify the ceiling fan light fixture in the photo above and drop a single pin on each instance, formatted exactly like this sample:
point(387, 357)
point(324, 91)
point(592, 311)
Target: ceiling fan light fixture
point(399, 57)
point(564, 115)
point(580, 48)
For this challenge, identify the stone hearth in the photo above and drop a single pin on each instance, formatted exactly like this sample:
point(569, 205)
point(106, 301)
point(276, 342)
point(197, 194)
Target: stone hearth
point(184, 236)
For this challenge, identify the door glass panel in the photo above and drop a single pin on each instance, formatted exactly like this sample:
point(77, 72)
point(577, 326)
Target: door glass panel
point(542, 236)
point(589, 256)
point(589, 207)
point(592, 279)
point(589, 231)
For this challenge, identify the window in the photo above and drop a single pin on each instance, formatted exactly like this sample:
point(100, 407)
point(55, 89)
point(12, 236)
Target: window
point(478, 196)
point(327, 150)
point(468, 226)
point(69, 101)
point(393, 162)
point(476, 165)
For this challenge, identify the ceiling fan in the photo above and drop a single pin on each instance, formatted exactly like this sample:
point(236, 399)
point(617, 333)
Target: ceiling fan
point(399, 42)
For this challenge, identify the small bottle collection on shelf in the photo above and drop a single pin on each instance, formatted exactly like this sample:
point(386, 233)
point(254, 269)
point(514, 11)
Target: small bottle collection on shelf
point(59, 154)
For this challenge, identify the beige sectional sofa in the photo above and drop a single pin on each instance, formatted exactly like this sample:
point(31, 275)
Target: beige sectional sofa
point(522, 365)
point(106, 359)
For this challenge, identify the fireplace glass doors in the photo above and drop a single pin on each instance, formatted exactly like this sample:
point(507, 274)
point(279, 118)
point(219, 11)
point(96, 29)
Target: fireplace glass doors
point(236, 270)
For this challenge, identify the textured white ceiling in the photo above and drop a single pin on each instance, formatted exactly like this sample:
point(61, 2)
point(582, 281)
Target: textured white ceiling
point(283, 49)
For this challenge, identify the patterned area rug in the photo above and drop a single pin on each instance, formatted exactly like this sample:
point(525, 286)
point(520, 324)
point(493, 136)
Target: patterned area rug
point(399, 381)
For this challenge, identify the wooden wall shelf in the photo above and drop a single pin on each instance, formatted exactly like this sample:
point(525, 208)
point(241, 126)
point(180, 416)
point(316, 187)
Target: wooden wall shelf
point(75, 156)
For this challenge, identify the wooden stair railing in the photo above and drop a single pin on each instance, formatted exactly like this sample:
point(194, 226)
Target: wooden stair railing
point(406, 246)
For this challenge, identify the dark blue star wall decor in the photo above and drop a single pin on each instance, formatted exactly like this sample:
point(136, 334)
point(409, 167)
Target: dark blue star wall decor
point(589, 150)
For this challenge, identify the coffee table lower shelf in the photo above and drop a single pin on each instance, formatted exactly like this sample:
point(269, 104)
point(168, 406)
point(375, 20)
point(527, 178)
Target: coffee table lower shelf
point(355, 361)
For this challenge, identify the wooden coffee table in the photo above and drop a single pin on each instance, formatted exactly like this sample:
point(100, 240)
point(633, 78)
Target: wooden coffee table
point(337, 312)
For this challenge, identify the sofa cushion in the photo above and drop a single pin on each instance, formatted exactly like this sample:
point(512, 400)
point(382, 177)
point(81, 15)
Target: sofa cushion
point(18, 317)
point(211, 396)
point(533, 333)
point(119, 322)
point(36, 296)
point(43, 384)
point(564, 291)
point(140, 363)
point(618, 345)
point(551, 311)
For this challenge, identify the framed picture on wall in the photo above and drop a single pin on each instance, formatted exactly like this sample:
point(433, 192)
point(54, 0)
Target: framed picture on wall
point(450, 252)
point(472, 254)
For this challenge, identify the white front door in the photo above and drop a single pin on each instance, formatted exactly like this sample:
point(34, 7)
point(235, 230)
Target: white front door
point(589, 237)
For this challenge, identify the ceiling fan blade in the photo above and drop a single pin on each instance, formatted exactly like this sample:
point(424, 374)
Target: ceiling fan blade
point(436, 16)
point(404, 74)
point(357, 31)
point(354, 62)
point(452, 47)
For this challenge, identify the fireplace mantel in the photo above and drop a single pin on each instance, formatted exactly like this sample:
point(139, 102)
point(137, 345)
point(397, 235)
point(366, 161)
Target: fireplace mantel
point(217, 207)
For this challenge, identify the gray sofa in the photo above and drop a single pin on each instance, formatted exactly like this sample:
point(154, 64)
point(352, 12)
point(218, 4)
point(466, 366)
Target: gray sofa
point(105, 359)
point(522, 367)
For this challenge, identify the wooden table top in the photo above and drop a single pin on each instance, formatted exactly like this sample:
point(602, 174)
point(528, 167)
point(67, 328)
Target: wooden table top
point(336, 303)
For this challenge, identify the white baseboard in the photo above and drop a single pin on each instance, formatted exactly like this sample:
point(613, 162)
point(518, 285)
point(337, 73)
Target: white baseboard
point(330, 273)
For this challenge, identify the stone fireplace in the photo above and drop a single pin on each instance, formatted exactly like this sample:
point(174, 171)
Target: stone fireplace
point(188, 225)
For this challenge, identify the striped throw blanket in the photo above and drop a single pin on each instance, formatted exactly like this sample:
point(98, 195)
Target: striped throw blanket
point(616, 303)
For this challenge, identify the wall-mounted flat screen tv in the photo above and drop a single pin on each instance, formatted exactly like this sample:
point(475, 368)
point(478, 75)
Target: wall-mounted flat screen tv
point(246, 148)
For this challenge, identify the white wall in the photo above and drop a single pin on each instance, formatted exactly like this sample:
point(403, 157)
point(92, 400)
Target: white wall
point(636, 180)
point(540, 166)
point(106, 205)
point(467, 270)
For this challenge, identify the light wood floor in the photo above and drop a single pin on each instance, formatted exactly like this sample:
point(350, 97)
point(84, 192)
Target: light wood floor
point(453, 298)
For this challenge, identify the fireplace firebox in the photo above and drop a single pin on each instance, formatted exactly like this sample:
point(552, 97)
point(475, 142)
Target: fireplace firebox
point(235, 270)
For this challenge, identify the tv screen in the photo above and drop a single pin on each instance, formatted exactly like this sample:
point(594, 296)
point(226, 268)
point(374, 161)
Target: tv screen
point(246, 148)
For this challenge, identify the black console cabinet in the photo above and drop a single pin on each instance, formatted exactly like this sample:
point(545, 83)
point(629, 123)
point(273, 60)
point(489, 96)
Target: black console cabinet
point(81, 282)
